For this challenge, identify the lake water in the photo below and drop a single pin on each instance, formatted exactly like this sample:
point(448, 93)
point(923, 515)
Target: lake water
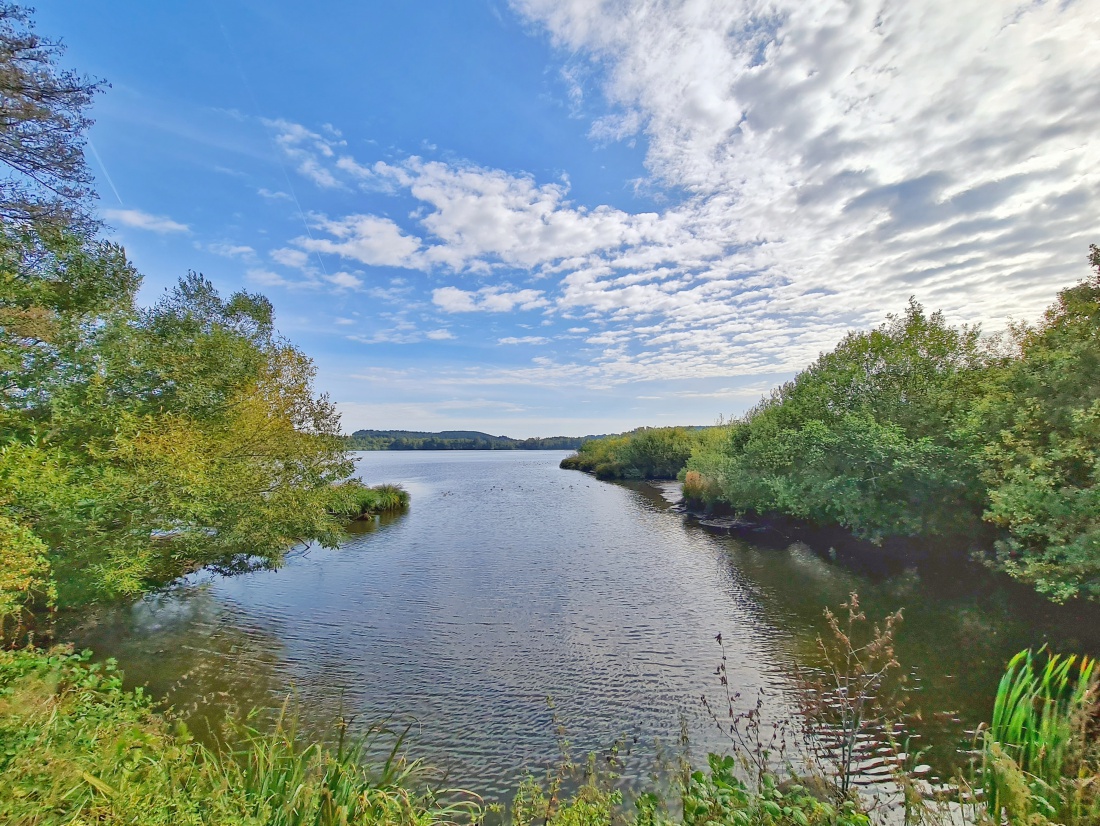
point(509, 581)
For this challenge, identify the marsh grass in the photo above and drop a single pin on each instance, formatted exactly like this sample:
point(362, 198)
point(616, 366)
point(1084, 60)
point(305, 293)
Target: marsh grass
point(354, 500)
point(292, 782)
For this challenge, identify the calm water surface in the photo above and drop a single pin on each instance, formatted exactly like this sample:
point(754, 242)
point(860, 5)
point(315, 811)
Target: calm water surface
point(509, 581)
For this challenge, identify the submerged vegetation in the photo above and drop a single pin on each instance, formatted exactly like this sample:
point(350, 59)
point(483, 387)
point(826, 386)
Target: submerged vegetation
point(919, 429)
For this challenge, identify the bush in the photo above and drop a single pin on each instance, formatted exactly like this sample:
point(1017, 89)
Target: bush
point(646, 453)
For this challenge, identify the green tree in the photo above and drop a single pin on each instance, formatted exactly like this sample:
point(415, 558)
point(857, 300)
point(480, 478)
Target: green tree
point(868, 437)
point(1041, 423)
point(167, 439)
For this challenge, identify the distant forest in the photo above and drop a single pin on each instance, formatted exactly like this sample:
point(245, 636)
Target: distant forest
point(457, 440)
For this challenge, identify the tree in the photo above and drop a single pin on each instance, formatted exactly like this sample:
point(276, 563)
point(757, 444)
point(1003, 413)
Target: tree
point(1041, 422)
point(867, 437)
point(43, 118)
point(162, 440)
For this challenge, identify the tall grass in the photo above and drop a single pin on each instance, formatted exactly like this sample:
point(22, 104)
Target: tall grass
point(1036, 756)
point(77, 748)
point(355, 500)
point(290, 782)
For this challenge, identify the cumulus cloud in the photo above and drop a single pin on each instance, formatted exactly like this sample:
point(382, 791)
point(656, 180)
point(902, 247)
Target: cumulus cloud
point(344, 280)
point(523, 340)
point(290, 258)
point(137, 219)
point(440, 335)
point(232, 250)
point(265, 278)
point(368, 239)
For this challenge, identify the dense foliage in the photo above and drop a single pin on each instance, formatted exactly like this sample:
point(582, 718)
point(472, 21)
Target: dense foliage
point(645, 453)
point(456, 440)
point(867, 437)
point(135, 443)
point(918, 429)
point(139, 443)
point(1041, 452)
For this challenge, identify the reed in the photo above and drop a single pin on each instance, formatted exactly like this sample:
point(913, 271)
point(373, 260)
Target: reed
point(1038, 738)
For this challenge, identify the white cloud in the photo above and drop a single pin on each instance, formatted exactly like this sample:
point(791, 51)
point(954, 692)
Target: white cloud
point(368, 239)
point(273, 195)
point(232, 250)
point(290, 258)
point(487, 299)
point(344, 280)
point(821, 162)
point(440, 335)
point(454, 300)
point(143, 220)
point(266, 278)
point(308, 150)
point(523, 340)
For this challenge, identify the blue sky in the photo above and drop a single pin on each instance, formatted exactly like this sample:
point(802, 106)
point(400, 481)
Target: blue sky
point(542, 218)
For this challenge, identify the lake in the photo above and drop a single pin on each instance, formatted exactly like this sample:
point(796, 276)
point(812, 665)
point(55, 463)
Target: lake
point(510, 581)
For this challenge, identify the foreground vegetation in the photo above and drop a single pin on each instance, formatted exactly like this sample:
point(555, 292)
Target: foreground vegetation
point(920, 429)
point(75, 747)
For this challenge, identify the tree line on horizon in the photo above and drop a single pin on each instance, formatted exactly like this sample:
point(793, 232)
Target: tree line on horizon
point(457, 440)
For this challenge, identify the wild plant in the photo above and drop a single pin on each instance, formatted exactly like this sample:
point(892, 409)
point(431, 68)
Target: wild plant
point(291, 783)
point(355, 500)
point(1036, 760)
point(856, 693)
point(572, 793)
point(759, 748)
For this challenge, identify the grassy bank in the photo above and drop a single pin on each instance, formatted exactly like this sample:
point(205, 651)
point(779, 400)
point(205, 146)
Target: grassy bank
point(76, 748)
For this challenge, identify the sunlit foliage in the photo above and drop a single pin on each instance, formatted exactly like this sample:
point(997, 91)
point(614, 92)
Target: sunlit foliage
point(137, 444)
